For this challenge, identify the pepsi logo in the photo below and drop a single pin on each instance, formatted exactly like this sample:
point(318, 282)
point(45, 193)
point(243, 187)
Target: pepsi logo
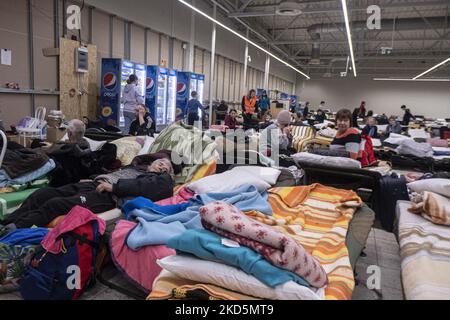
point(109, 81)
point(181, 89)
point(150, 84)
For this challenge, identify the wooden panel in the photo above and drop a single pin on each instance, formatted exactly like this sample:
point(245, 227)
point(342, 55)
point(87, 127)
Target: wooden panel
point(164, 49)
point(153, 48)
point(14, 36)
point(137, 44)
point(178, 55)
point(77, 106)
point(14, 107)
point(118, 38)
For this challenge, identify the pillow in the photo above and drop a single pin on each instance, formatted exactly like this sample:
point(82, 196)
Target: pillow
point(395, 138)
point(326, 160)
point(269, 175)
point(227, 182)
point(93, 145)
point(127, 149)
point(147, 144)
point(439, 186)
point(231, 278)
point(434, 208)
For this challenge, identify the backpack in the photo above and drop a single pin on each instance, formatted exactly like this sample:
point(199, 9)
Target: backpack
point(67, 274)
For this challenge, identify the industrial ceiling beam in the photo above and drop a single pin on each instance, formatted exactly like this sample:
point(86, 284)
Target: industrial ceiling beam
point(300, 42)
point(270, 10)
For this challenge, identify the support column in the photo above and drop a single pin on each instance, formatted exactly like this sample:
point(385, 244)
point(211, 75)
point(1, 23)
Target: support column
point(211, 77)
point(244, 85)
point(266, 74)
point(192, 41)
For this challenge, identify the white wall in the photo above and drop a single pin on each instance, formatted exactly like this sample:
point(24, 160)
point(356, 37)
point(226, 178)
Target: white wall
point(423, 98)
point(173, 18)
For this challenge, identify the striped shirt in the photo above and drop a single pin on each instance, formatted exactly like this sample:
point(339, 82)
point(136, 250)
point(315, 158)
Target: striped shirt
point(349, 141)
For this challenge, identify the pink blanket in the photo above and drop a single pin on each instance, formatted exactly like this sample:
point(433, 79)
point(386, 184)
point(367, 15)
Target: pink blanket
point(183, 195)
point(279, 249)
point(138, 266)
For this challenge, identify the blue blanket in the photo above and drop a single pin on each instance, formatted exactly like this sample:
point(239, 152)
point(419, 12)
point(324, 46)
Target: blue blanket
point(5, 180)
point(25, 237)
point(183, 217)
point(207, 245)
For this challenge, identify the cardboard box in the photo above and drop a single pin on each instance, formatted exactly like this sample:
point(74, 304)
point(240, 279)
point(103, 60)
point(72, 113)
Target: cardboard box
point(19, 140)
point(55, 134)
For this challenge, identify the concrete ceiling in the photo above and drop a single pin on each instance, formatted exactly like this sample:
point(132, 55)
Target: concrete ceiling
point(417, 30)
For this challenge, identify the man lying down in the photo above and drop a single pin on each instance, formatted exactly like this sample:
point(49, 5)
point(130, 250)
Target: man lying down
point(104, 193)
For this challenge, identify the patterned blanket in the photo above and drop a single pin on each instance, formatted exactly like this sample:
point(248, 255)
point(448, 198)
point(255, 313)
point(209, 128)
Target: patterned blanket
point(425, 254)
point(318, 218)
point(193, 147)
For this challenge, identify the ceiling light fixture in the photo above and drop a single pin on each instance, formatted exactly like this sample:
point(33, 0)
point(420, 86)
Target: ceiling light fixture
point(432, 68)
point(349, 36)
point(242, 37)
point(399, 79)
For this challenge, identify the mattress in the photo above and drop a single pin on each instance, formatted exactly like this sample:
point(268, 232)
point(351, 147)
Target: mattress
point(425, 256)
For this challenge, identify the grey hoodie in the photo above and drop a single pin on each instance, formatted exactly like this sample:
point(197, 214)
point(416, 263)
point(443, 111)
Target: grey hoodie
point(131, 97)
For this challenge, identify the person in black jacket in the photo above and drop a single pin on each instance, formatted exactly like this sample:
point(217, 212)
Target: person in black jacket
point(142, 125)
point(102, 194)
point(407, 117)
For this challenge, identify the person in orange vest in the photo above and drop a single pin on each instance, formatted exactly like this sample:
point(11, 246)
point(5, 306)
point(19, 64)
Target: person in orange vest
point(249, 108)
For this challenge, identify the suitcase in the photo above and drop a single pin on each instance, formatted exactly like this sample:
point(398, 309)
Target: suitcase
point(390, 190)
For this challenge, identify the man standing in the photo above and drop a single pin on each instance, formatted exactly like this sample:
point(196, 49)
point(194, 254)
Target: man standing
point(194, 109)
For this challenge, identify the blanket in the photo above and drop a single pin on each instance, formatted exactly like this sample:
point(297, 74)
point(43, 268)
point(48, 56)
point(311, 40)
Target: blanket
point(425, 256)
point(280, 250)
point(21, 161)
point(169, 286)
point(210, 246)
point(6, 180)
point(318, 218)
point(188, 145)
point(24, 237)
point(154, 229)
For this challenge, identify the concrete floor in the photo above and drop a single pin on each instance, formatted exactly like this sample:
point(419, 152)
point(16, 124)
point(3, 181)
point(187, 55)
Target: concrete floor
point(381, 250)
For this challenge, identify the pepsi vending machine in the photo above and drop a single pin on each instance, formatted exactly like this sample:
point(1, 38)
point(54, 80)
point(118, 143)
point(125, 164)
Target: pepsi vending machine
point(115, 73)
point(172, 97)
point(156, 95)
point(188, 82)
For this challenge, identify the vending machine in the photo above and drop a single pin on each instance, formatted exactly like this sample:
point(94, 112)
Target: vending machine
point(172, 97)
point(115, 73)
point(188, 82)
point(156, 95)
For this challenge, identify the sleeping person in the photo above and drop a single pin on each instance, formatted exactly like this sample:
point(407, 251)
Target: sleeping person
point(104, 193)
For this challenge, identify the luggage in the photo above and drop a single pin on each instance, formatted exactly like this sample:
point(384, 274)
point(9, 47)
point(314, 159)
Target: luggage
point(390, 190)
point(67, 274)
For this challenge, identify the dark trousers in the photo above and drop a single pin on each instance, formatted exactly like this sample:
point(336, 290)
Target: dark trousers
point(192, 117)
point(46, 204)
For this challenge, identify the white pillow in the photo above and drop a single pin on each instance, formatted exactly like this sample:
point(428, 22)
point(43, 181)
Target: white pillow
point(326, 160)
point(227, 182)
point(439, 186)
point(93, 145)
point(269, 175)
point(147, 144)
point(231, 278)
point(395, 138)
point(418, 133)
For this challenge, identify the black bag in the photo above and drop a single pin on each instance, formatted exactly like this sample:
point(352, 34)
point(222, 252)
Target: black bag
point(390, 190)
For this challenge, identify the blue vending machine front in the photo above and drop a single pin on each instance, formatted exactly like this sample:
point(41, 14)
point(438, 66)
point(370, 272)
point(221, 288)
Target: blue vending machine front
point(183, 91)
point(111, 91)
point(156, 95)
point(115, 73)
point(201, 87)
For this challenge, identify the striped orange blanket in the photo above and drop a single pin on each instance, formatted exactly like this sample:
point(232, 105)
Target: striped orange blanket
point(318, 217)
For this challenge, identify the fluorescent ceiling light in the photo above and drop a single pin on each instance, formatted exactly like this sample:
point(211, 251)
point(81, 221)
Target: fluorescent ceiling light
point(349, 36)
point(398, 79)
point(432, 68)
point(242, 37)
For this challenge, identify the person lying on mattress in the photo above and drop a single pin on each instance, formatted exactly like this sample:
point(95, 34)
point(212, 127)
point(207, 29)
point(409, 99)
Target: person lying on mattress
point(347, 138)
point(104, 193)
